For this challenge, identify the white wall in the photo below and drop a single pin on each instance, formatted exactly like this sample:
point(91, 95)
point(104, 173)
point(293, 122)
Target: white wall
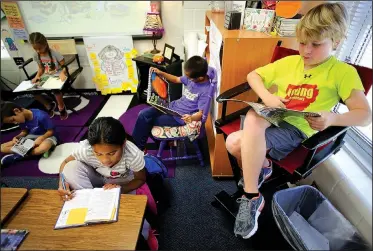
point(172, 17)
point(194, 16)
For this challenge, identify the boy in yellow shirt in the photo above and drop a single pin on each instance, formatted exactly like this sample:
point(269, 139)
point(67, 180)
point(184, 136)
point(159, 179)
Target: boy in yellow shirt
point(313, 81)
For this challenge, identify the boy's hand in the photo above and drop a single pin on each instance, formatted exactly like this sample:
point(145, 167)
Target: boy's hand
point(156, 70)
point(65, 194)
point(15, 140)
point(187, 118)
point(38, 141)
point(110, 186)
point(321, 123)
point(275, 101)
point(62, 76)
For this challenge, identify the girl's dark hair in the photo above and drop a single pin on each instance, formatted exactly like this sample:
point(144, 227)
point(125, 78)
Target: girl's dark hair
point(38, 38)
point(106, 130)
point(196, 66)
point(7, 109)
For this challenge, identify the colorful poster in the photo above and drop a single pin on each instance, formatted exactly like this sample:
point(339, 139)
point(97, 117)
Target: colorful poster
point(15, 20)
point(111, 61)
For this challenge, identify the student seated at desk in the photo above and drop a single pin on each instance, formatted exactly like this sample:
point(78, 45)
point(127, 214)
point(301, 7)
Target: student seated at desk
point(106, 159)
point(50, 62)
point(35, 125)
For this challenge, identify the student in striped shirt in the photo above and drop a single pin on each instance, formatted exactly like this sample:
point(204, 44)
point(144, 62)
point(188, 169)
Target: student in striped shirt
point(106, 159)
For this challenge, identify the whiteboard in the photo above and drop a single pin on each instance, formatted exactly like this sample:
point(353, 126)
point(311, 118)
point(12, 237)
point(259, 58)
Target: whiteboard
point(84, 18)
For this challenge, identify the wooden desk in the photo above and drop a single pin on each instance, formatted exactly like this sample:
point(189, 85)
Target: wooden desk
point(11, 198)
point(39, 214)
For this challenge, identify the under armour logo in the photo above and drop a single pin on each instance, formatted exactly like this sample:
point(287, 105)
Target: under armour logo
point(307, 76)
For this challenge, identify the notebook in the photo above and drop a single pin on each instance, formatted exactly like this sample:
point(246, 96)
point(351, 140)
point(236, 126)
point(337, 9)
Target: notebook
point(11, 238)
point(90, 206)
point(23, 146)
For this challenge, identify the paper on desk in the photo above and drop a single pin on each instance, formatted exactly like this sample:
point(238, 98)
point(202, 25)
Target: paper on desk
point(24, 86)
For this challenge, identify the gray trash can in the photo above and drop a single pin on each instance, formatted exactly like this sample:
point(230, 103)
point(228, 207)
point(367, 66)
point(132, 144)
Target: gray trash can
point(308, 221)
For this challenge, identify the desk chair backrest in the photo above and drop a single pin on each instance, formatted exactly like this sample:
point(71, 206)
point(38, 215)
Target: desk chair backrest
point(65, 47)
point(211, 73)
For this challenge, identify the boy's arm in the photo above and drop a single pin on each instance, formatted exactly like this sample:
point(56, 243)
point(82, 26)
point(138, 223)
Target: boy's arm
point(43, 137)
point(23, 133)
point(256, 83)
point(167, 76)
point(359, 114)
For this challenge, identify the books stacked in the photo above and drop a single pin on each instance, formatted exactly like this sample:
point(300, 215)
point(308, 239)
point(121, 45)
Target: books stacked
point(285, 27)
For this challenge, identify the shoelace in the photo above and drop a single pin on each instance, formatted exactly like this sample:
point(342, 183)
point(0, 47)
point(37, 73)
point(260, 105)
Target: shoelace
point(245, 208)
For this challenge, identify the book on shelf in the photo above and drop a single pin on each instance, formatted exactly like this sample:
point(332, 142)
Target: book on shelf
point(90, 206)
point(158, 94)
point(272, 114)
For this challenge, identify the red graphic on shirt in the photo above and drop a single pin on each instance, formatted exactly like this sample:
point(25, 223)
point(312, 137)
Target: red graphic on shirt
point(114, 173)
point(301, 96)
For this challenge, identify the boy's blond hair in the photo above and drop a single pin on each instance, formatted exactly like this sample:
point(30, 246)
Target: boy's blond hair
point(327, 20)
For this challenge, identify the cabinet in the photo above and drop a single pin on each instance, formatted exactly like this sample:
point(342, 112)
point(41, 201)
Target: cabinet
point(242, 52)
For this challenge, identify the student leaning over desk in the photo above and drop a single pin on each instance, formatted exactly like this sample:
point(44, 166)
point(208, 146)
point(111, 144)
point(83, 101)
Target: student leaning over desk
point(107, 159)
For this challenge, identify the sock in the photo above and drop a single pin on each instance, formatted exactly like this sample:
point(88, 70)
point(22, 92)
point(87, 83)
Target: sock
point(251, 195)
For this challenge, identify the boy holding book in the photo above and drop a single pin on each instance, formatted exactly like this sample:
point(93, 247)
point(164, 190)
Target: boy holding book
point(313, 81)
point(191, 104)
point(35, 124)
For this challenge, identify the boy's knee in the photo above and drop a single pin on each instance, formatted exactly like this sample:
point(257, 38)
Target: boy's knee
point(253, 121)
point(233, 144)
point(145, 114)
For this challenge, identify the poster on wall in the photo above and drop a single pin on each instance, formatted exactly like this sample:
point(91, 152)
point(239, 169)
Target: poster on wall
point(110, 59)
point(15, 20)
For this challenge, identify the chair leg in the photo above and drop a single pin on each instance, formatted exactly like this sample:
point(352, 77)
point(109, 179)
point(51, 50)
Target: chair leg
point(199, 154)
point(161, 148)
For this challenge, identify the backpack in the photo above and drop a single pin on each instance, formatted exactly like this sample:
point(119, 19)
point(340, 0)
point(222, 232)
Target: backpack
point(156, 172)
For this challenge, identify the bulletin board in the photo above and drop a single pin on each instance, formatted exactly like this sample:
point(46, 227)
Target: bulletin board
point(110, 59)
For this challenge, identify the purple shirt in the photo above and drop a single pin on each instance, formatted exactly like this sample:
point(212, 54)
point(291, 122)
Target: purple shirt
point(194, 98)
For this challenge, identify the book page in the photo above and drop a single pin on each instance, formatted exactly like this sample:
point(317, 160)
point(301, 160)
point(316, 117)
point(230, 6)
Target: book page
point(24, 86)
point(101, 204)
point(53, 83)
point(22, 146)
point(75, 210)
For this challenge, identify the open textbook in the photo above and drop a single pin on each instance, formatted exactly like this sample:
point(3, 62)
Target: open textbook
point(158, 94)
point(90, 206)
point(272, 114)
point(47, 82)
point(23, 146)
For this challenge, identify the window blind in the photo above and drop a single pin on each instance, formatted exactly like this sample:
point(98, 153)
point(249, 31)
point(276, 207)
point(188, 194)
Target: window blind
point(358, 41)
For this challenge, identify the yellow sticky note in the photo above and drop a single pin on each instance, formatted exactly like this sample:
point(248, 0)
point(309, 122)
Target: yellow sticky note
point(92, 55)
point(135, 81)
point(97, 71)
point(129, 62)
point(76, 216)
point(134, 52)
point(133, 89)
point(95, 63)
point(127, 55)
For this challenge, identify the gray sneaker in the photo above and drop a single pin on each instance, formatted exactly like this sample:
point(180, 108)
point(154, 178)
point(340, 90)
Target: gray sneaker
point(246, 223)
point(265, 173)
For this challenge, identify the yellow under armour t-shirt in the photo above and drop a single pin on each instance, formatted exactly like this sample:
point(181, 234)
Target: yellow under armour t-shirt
point(314, 90)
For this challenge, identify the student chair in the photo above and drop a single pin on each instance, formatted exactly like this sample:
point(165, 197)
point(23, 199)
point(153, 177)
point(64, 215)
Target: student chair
point(67, 48)
point(192, 131)
point(300, 162)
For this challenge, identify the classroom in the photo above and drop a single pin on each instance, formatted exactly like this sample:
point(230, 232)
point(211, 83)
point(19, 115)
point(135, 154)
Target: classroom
point(186, 125)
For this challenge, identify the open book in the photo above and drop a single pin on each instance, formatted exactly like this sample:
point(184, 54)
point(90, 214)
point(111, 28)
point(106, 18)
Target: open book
point(272, 114)
point(23, 146)
point(90, 206)
point(46, 82)
point(158, 94)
